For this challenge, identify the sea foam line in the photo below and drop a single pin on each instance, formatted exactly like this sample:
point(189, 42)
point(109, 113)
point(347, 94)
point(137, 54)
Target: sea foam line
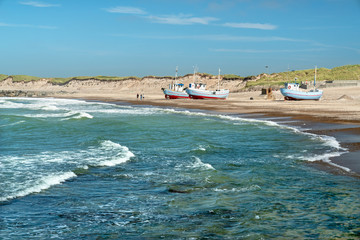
point(12, 124)
point(41, 184)
point(325, 158)
point(326, 140)
point(123, 154)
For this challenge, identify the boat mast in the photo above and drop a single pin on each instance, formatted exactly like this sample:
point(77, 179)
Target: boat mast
point(315, 77)
point(195, 70)
point(176, 73)
point(219, 80)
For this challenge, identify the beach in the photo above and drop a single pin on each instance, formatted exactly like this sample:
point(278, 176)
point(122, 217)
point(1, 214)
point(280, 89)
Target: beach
point(336, 114)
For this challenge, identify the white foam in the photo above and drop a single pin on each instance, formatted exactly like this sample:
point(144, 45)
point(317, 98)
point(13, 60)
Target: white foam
point(325, 158)
point(127, 111)
point(200, 148)
point(50, 108)
point(12, 124)
point(184, 112)
point(40, 185)
point(27, 173)
point(122, 154)
point(244, 189)
point(327, 140)
point(199, 164)
point(77, 115)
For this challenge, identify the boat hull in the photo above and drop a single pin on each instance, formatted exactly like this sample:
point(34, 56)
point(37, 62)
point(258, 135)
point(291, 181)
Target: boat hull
point(299, 95)
point(207, 94)
point(169, 94)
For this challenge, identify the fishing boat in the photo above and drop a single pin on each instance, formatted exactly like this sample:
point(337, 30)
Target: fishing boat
point(292, 91)
point(198, 90)
point(175, 90)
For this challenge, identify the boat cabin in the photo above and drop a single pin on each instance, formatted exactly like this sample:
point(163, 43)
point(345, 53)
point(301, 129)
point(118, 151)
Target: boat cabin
point(200, 86)
point(292, 86)
point(176, 87)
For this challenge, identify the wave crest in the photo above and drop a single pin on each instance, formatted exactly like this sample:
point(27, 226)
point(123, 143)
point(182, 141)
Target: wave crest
point(40, 185)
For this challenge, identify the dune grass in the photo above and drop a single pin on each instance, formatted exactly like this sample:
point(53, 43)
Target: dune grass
point(62, 81)
point(3, 77)
point(20, 78)
point(347, 72)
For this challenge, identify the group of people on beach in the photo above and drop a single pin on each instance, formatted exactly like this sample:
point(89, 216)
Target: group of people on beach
point(141, 96)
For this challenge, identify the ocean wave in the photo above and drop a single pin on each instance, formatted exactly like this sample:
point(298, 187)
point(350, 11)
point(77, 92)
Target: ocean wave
point(64, 115)
point(200, 165)
point(126, 111)
point(32, 173)
point(200, 148)
point(120, 154)
point(39, 185)
point(12, 124)
point(48, 104)
point(77, 115)
point(327, 140)
point(325, 158)
point(244, 189)
point(184, 112)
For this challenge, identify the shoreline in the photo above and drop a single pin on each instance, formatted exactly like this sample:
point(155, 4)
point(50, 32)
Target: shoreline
point(341, 129)
point(337, 114)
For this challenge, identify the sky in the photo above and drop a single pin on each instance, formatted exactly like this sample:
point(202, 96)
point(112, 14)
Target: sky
point(67, 38)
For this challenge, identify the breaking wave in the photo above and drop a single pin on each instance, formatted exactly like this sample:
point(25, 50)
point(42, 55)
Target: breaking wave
point(200, 165)
point(38, 172)
point(39, 185)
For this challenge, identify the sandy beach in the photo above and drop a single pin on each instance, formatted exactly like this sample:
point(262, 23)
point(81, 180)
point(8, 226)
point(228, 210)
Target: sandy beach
point(336, 114)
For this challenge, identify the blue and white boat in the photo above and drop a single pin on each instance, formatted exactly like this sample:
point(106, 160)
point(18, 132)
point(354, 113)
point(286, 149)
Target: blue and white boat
point(291, 91)
point(198, 91)
point(175, 90)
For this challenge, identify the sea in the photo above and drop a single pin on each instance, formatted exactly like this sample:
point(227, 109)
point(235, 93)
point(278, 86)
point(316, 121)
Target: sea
point(75, 169)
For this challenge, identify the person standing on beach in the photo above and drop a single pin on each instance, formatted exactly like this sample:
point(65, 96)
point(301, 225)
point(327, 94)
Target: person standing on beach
point(137, 96)
point(141, 97)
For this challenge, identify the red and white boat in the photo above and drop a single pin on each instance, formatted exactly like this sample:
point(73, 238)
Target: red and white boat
point(198, 91)
point(175, 90)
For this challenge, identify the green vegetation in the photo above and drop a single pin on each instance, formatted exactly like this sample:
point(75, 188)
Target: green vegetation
point(62, 81)
point(3, 77)
point(24, 78)
point(232, 77)
point(347, 72)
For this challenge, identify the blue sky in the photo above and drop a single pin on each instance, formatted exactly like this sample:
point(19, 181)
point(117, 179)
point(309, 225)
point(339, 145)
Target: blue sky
point(64, 38)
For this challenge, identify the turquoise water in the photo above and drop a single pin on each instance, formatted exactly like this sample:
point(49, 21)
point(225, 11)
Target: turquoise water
point(71, 169)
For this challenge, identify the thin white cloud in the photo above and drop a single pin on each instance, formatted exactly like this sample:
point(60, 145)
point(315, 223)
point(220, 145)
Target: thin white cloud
point(250, 38)
point(266, 51)
point(214, 37)
point(184, 19)
point(181, 19)
point(251, 25)
point(26, 26)
point(126, 10)
point(39, 4)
